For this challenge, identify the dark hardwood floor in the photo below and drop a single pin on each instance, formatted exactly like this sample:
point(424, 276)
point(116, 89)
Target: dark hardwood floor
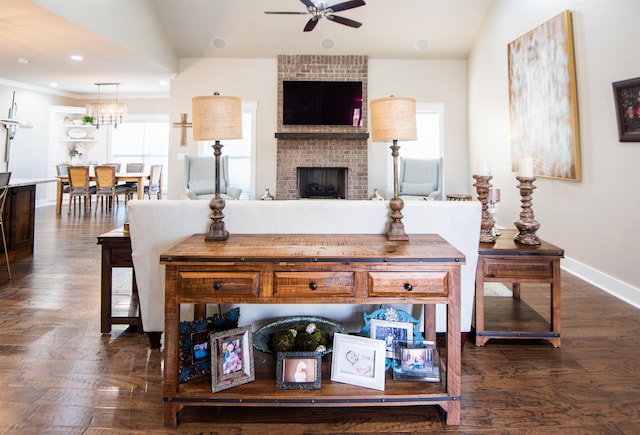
point(58, 374)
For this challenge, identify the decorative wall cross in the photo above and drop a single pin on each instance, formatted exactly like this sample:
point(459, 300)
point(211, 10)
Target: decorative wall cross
point(183, 124)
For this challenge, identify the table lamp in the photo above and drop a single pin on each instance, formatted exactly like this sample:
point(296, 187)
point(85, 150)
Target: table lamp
point(394, 119)
point(216, 118)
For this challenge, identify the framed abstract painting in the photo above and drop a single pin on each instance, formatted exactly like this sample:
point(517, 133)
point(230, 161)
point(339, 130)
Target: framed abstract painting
point(543, 100)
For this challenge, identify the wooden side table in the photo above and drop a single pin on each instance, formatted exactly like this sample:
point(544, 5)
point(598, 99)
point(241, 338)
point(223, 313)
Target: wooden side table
point(506, 261)
point(116, 252)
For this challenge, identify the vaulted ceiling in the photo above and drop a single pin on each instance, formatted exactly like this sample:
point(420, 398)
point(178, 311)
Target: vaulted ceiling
point(139, 43)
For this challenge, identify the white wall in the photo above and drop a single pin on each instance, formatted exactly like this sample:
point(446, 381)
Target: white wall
point(29, 149)
point(256, 80)
point(595, 220)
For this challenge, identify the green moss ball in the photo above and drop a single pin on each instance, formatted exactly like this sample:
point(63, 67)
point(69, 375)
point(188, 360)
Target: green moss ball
point(282, 341)
point(305, 342)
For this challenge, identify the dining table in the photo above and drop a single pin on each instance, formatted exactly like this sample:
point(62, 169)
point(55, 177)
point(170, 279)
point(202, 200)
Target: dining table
point(131, 177)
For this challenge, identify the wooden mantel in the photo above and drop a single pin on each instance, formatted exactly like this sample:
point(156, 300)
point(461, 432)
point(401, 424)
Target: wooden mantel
point(322, 135)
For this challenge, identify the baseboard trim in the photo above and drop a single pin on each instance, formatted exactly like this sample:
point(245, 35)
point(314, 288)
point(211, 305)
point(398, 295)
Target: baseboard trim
point(621, 290)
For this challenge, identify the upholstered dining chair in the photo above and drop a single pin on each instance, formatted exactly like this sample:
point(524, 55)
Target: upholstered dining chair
point(129, 168)
point(4, 192)
point(79, 187)
point(155, 180)
point(62, 170)
point(105, 185)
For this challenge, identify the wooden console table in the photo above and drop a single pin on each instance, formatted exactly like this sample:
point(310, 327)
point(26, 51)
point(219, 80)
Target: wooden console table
point(116, 252)
point(509, 262)
point(313, 269)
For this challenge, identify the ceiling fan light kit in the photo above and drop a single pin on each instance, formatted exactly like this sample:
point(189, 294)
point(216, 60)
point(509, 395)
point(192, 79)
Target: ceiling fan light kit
point(323, 10)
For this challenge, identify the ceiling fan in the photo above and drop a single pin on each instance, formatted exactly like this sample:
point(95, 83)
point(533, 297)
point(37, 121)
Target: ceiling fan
point(323, 10)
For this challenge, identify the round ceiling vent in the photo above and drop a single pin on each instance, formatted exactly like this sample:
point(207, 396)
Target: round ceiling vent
point(421, 44)
point(219, 43)
point(328, 43)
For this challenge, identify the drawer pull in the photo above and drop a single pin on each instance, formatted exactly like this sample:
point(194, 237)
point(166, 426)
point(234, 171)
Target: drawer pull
point(408, 287)
point(313, 286)
point(217, 286)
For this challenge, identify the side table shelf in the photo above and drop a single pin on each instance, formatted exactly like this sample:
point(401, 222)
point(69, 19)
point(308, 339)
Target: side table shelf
point(506, 261)
point(289, 269)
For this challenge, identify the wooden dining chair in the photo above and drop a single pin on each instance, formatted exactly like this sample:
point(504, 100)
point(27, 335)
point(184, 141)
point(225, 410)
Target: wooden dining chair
point(105, 185)
point(4, 192)
point(79, 187)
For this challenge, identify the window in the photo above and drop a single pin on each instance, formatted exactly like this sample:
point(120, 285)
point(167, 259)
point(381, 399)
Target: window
point(429, 125)
point(142, 138)
point(240, 153)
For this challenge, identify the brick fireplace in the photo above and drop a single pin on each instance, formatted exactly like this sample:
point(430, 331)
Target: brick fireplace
point(303, 146)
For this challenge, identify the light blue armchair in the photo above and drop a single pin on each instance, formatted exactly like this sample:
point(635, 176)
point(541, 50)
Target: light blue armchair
point(419, 179)
point(199, 178)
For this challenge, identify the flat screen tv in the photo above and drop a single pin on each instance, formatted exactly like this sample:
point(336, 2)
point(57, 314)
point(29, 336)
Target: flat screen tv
point(321, 103)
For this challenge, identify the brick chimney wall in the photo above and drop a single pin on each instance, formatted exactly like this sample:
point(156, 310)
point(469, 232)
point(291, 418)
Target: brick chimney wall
point(324, 146)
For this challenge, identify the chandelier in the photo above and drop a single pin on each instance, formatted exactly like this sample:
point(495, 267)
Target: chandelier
point(105, 113)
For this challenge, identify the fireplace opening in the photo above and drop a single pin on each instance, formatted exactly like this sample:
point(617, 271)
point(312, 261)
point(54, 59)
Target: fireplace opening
point(322, 183)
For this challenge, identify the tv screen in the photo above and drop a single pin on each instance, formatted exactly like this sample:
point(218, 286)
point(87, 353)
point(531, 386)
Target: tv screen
point(321, 103)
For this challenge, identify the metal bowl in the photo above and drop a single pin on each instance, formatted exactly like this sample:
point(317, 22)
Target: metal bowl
point(263, 334)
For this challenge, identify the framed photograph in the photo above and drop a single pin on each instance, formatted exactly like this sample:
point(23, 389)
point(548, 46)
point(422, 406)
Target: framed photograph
point(543, 100)
point(392, 333)
point(231, 358)
point(358, 361)
point(418, 362)
point(627, 99)
point(299, 370)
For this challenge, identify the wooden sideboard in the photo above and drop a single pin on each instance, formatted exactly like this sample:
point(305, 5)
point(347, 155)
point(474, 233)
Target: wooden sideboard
point(313, 269)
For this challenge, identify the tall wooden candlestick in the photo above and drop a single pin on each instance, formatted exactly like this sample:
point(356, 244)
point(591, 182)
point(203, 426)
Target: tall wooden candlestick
point(526, 225)
point(482, 186)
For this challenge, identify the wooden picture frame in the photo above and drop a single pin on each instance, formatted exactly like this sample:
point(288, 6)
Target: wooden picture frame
point(626, 94)
point(543, 100)
point(231, 358)
point(358, 361)
point(298, 370)
point(392, 333)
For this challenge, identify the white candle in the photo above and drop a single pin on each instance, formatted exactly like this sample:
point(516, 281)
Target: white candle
point(526, 167)
point(484, 168)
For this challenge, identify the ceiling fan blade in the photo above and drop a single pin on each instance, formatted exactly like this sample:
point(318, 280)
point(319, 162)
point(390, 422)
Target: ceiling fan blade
point(346, 5)
point(308, 3)
point(287, 13)
point(311, 24)
point(346, 21)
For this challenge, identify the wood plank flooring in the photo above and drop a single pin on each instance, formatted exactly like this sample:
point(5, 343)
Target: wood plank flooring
point(58, 374)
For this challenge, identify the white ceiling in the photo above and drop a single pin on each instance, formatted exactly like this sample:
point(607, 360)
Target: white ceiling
point(139, 42)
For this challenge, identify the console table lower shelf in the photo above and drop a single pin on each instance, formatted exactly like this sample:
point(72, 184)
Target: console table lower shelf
point(262, 392)
point(360, 269)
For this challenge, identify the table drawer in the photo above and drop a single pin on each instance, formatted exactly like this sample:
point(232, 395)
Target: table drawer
point(534, 268)
point(222, 283)
point(120, 257)
point(310, 284)
point(405, 284)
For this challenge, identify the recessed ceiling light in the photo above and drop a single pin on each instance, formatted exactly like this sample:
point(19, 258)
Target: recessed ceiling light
point(53, 85)
point(219, 43)
point(328, 43)
point(163, 83)
point(76, 57)
point(23, 60)
point(421, 44)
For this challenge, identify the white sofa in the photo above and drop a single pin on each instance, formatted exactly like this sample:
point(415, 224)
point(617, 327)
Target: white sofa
point(156, 226)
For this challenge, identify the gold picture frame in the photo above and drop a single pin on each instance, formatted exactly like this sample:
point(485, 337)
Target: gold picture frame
point(543, 100)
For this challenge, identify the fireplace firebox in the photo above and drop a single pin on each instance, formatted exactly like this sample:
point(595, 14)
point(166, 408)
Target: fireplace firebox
point(322, 183)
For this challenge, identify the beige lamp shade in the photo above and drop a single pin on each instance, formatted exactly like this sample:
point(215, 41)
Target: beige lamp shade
point(393, 118)
point(216, 117)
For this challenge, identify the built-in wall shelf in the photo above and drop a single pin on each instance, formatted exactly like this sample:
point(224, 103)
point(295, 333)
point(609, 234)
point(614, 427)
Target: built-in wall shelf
point(321, 135)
